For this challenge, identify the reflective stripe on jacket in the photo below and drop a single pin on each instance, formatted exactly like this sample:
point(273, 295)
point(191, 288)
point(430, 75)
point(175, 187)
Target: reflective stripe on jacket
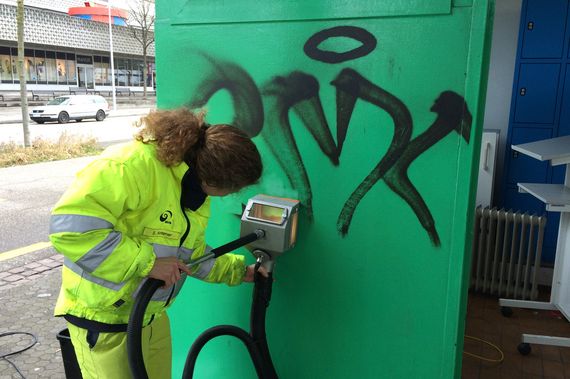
point(122, 211)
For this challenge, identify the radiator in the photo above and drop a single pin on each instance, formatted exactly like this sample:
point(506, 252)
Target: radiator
point(507, 248)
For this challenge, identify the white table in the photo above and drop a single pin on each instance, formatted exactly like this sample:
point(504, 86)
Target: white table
point(557, 199)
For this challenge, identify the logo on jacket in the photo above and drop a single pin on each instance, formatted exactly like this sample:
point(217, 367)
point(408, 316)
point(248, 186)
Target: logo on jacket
point(166, 217)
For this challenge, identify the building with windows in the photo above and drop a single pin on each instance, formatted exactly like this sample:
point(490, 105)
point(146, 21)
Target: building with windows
point(66, 48)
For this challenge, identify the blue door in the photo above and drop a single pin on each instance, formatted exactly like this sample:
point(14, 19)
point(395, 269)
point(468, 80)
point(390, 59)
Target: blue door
point(537, 93)
point(544, 21)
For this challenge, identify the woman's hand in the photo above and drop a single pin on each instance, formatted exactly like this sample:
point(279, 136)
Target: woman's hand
point(249, 273)
point(168, 270)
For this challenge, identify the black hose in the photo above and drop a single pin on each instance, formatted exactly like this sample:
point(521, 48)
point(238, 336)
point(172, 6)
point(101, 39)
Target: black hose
point(136, 318)
point(135, 327)
point(235, 244)
point(5, 356)
point(260, 302)
point(222, 330)
point(255, 341)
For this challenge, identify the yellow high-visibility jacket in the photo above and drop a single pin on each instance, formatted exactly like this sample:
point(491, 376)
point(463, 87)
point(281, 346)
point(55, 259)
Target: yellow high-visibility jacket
point(122, 211)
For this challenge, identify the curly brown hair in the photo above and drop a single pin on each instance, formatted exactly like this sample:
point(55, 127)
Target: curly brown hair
point(223, 156)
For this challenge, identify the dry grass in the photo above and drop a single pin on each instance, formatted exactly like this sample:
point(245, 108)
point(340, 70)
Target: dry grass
point(66, 147)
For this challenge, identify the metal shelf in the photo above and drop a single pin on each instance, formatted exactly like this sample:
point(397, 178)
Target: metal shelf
point(556, 150)
point(555, 196)
point(557, 199)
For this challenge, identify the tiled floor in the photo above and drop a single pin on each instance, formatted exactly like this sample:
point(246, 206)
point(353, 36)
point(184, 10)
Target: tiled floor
point(484, 320)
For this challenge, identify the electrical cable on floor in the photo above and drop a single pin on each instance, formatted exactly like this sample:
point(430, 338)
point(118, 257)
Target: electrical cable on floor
point(5, 356)
point(483, 358)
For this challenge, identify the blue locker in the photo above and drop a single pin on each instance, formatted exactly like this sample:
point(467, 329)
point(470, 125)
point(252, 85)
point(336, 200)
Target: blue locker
point(544, 28)
point(564, 127)
point(540, 105)
point(537, 93)
point(524, 169)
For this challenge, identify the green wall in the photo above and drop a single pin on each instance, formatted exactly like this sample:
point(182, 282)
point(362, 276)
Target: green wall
point(374, 124)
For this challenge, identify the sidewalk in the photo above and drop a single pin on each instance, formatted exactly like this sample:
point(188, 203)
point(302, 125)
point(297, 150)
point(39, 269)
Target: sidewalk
point(30, 282)
point(13, 115)
point(29, 286)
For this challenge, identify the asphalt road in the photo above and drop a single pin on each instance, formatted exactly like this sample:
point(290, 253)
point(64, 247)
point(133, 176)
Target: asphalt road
point(27, 195)
point(114, 128)
point(29, 192)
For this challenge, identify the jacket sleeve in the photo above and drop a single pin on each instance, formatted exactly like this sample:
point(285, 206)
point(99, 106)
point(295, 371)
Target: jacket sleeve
point(82, 225)
point(228, 268)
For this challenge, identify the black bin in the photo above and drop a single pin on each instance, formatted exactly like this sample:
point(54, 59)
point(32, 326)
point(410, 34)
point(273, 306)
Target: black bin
point(72, 370)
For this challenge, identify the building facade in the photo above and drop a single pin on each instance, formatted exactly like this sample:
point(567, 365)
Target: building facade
point(62, 51)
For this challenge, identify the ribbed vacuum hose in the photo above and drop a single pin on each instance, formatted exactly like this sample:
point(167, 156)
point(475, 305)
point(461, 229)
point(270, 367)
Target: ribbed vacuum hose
point(255, 341)
point(217, 331)
point(136, 318)
point(135, 327)
point(259, 305)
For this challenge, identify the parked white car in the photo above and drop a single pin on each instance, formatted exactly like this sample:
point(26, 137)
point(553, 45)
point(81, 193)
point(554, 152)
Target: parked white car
point(71, 107)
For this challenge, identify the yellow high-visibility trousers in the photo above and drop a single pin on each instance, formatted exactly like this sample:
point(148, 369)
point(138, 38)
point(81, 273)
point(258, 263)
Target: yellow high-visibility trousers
point(106, 358)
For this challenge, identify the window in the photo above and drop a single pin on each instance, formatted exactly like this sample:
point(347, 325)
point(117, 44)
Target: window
point(58, 101)
point(150, 74)
point(51, 67)
point(97, 70)
point(106, 72)
point(121, 72)
point(14, 55)
point(5, 65)
point(105, 63)
point(41, 66)
point(61, 68)
point(102, 73)
point(30, 66)
point(71, 71)
point(137, 73)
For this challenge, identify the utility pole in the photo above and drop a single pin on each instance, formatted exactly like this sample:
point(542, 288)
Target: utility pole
point(111, 51)
point(21, 76)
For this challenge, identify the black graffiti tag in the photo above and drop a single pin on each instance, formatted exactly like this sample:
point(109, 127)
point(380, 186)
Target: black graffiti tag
point(368, 41)
point(351, 86)
point(298, 92)
point(266, 112)
point(243, 91)
point(452, 115)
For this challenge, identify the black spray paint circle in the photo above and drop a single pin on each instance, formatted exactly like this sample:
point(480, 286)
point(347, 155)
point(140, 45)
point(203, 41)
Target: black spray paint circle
point(368, 41)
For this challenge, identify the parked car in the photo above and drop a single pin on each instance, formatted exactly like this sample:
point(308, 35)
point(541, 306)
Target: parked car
point(71, 107)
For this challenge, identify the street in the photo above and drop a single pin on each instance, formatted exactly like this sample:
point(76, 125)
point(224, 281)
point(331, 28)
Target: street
point(27, 193)
point(117, 127)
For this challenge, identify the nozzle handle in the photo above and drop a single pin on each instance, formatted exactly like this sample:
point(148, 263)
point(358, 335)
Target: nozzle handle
point(242, 241)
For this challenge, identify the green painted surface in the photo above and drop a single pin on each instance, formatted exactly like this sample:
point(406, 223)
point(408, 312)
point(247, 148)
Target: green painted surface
point(373, 290)
point(203, 12)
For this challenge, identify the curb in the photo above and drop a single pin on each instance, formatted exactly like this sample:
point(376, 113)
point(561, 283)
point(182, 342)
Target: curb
point(29, 272)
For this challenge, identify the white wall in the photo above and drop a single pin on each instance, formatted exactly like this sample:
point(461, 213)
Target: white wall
point(501, 74)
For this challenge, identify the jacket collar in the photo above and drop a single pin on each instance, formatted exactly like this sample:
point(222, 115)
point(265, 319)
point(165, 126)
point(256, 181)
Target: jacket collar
point(191, 194)
point(180, 170)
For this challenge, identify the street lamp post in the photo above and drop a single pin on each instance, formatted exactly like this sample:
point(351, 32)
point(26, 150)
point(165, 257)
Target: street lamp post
point(112, 60)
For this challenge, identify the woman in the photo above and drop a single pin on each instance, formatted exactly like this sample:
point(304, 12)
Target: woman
point(140, 210)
